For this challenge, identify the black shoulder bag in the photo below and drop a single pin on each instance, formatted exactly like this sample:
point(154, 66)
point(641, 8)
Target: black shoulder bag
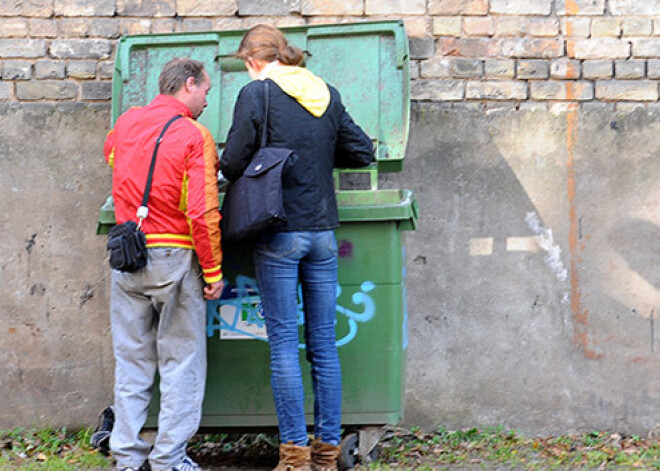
point(127, 244)
point(253, 203)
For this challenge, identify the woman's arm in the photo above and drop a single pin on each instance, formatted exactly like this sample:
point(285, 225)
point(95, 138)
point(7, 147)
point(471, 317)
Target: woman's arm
point(354, 148)
point(243, 138)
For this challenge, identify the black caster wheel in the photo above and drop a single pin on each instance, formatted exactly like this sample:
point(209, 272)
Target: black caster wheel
point(348, 458)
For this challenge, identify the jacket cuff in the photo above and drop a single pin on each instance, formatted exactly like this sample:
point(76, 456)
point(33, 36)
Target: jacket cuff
point(212, 275)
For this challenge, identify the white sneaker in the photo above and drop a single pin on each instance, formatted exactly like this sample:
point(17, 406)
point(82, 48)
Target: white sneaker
point(187, 465)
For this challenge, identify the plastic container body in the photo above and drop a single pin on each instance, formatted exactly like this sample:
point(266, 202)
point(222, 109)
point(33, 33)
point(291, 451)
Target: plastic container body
point(368, 64)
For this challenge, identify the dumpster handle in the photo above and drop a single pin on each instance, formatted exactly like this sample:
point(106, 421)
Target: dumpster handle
point(124, 68)
point(371, 170)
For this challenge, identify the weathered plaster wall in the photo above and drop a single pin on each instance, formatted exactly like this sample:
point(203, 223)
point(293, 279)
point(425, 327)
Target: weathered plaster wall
point(55, 352)
point(533, 277)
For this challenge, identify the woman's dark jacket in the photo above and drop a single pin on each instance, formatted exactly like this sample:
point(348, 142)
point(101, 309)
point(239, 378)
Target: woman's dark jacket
point(332, 140)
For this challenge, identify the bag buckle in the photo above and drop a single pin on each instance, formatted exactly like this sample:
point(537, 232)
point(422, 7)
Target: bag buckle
point(141, 214)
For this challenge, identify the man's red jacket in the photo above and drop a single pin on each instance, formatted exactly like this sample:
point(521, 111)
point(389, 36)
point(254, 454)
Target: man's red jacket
point(183, 203)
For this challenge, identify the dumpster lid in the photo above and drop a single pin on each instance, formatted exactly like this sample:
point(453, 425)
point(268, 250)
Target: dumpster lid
point(367, 62)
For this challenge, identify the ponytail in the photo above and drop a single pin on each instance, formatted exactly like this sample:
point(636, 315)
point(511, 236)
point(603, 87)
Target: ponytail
point(267, 43)
point(291, 55)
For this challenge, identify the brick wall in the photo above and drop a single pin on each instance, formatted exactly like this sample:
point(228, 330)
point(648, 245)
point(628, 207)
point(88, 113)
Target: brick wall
point(532, 53)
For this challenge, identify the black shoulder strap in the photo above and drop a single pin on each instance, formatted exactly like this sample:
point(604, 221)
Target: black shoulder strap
point(264, 127)
point(147, 188)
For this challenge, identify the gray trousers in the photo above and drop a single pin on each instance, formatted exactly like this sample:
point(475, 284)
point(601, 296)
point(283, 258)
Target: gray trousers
point(158, 320)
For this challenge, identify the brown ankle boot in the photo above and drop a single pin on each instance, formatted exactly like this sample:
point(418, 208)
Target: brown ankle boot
point(294, 458)
point(324, 456)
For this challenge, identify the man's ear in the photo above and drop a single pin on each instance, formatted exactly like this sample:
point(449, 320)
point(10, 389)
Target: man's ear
point(190, 82)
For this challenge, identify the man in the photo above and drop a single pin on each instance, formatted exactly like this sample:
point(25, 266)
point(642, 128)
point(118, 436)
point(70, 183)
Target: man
point(158, 313)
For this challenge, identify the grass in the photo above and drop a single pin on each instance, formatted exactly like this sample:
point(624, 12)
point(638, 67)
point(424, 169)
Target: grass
point(496, 447)
point(51, 449)
point(471, 448)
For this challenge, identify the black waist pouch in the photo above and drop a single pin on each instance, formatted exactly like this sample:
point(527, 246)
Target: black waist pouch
point(127, 247)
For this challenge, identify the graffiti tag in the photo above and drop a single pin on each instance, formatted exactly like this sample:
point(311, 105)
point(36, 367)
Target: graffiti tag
point(239, 312)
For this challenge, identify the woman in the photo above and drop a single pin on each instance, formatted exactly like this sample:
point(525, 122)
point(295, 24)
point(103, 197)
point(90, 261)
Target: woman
point(307, 116)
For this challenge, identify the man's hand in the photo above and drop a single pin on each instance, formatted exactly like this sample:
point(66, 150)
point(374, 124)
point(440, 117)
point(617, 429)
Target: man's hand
point(214, 290)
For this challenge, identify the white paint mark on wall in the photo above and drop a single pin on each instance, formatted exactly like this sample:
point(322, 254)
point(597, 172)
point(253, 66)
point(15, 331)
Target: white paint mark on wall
point(481, 246)
point(522, 244)
point(546, 242)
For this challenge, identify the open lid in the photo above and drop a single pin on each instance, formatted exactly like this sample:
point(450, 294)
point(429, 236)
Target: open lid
point(366, 62)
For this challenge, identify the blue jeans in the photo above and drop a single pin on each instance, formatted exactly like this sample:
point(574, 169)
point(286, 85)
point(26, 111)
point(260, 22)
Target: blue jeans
point(279, 259)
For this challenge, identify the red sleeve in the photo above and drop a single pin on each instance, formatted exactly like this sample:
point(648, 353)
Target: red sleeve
point(202, 206)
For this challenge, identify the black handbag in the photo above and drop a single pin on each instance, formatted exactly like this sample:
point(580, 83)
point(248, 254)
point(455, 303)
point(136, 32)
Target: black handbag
point(253, 203)
point(127, 244)
point(127, 247)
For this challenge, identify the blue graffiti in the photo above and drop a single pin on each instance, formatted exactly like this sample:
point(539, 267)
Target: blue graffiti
point(245, 302)
point(355, 317)
point(239, 311)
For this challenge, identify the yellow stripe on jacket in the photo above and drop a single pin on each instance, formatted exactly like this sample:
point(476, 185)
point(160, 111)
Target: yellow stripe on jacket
point(170, 240)
point(202, 206)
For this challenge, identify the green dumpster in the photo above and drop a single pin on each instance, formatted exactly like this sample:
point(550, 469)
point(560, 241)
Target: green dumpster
point(368, 63)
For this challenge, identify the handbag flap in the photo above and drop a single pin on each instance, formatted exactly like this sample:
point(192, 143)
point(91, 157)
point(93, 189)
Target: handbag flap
point(265, 159)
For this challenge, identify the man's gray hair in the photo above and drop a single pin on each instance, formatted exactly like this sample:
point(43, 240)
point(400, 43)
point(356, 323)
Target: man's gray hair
point(176, 72)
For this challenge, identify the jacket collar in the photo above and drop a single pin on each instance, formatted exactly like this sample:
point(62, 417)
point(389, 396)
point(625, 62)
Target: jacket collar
point(172, 103)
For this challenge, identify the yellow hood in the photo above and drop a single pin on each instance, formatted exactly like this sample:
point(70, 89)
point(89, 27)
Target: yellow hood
point(308, 89)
